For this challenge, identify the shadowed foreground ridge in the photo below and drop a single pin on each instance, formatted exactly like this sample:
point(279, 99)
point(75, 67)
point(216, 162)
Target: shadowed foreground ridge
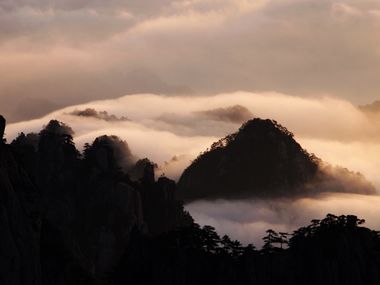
point(262, 159)
point(335, 250)
point(68, 218)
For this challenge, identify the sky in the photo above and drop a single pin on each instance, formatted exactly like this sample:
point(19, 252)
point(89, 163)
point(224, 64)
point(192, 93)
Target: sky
point(188, 72)
point(63, 52)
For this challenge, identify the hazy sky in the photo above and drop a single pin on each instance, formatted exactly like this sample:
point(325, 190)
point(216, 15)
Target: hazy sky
point(63, 52)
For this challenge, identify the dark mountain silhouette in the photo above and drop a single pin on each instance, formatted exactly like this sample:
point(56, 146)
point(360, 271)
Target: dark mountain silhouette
point(2, 127)
point(372, 108)
point(101, 115)
point(263, 160)
point(101, 217)
point(235, 114)
point(88, 206)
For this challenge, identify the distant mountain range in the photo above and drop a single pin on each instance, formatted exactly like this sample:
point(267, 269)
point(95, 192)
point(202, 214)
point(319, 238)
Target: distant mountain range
point(371, 108)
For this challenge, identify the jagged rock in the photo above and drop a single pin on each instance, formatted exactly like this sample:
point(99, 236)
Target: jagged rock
point(2, 128)
point(143, 171)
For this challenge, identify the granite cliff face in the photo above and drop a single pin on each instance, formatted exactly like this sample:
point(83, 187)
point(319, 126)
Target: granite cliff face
point(263, 160)
point(67, 218)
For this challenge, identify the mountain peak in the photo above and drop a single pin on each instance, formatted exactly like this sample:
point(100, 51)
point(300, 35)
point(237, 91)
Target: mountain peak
point(262, 159)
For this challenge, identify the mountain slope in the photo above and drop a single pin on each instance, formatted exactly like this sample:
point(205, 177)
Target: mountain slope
point(68, 217)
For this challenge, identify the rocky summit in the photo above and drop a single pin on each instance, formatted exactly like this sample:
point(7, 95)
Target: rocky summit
point(264, 160)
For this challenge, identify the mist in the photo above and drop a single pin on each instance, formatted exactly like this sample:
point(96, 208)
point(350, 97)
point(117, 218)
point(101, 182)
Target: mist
point(172, 131)
point(247, 220)
point(182, 127)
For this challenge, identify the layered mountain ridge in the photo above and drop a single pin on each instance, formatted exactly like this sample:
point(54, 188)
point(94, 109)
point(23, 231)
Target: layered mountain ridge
point(101, 218)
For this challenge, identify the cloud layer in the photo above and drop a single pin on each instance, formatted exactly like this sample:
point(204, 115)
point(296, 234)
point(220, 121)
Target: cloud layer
point(161, 127)
point(173, 130)
point(60, 53)
point(247, 220)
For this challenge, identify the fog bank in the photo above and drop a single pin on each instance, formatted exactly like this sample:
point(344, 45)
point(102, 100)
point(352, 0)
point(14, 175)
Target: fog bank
point(162, 127)
point(248, 220)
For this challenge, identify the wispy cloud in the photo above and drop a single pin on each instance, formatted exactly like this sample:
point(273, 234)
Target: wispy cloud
point(70, 52)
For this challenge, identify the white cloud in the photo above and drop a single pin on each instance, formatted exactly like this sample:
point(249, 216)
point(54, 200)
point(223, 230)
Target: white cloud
point(172, 131)
point(247, 220)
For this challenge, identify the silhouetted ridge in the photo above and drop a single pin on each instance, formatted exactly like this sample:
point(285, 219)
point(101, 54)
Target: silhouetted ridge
point(143, 171)
point(262, 159)
point(101, 115)
point(235, 114)
point(373, 108)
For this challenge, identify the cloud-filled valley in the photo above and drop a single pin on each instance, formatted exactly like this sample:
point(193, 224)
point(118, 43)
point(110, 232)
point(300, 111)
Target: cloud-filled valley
point(173, 130)
point(247, 220)
point(329, 127)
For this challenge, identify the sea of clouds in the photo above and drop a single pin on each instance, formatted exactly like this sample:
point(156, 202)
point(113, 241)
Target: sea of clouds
point(173, 130)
